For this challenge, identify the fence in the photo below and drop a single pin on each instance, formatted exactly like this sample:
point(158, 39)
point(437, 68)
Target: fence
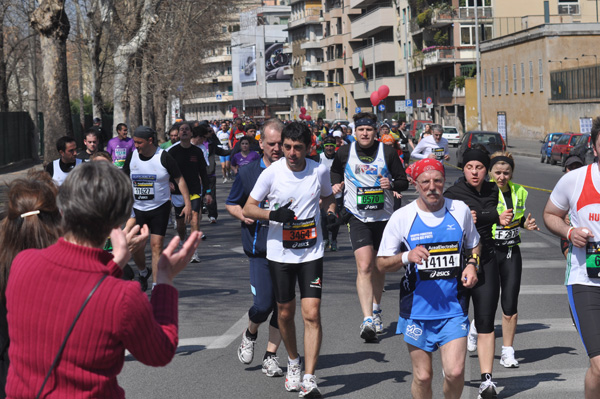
point(576, 84)
point(16, 137)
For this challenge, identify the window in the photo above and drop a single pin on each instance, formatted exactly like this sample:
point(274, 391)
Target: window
point(229, 70)
point(522, 78)
point(568, 7)
point(467, 34)
point(485, 82)
point(404, 50)
point(492, 80)
point(228, 50)
point(515, 78)
point(499, 82)
point(223, 29)
point(541, 73)
point(506, 78)
point(403, 16)
point(531, 76)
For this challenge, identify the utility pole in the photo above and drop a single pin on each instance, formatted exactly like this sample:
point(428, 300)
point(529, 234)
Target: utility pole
point(374, 77)
point(407, 52)
point(477, 67)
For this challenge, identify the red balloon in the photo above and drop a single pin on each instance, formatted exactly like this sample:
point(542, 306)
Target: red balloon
point(234, 110)
point(235, 116)
point(308, 117)
point(302, 116)
point(375, 98)
point(383, 91)
point(302, 110)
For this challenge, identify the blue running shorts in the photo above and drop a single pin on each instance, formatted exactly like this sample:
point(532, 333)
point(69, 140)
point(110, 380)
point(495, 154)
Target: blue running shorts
point(429, 335)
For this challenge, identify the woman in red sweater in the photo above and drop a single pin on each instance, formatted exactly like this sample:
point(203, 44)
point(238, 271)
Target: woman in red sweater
point(47, 287)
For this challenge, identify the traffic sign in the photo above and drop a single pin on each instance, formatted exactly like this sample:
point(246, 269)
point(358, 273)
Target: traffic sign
point(338, 105)
point(219, 97)
point(357, 110)
point(400, 106)
point(409, 110)
point(419, 103)
point(409, 103)
point(428, 101)
point(381, 107)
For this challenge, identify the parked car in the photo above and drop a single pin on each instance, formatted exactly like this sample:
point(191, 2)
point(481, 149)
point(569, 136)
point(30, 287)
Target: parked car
point(562, 147)
point(492, 141)
point(452, 135)
point(415, 128)
point(547, 144)
point(583, 149)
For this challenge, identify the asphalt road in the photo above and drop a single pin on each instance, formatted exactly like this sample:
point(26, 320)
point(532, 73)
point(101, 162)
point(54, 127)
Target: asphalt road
point(215, 297)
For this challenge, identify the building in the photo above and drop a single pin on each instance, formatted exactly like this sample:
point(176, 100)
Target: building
point(307, 80)
point(541, 79)
point(260, 67)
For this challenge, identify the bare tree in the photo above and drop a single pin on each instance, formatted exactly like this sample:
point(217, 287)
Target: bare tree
point(3, 77)
point(51, 22)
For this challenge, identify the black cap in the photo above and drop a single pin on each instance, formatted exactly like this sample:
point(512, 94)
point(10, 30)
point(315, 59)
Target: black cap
point(573, 159)
point(144, 132)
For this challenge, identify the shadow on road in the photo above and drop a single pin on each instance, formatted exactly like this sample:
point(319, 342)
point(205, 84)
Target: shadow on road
point(354, 382)
point(517, 386)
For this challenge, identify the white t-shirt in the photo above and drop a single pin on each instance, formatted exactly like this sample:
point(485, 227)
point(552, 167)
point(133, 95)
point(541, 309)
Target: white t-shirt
point(279, 185)
point(578, 192)
point(428, 145)
point(223, 139)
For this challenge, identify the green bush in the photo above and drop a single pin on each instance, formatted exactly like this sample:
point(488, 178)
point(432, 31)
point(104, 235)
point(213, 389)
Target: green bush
point(458, 81)
point(322, 114)
point(424, 18)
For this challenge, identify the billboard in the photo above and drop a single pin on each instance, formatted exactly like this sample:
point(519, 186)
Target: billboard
point(247, 69)
point(275, 62)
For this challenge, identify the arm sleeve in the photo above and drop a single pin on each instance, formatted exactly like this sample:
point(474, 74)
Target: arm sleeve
point(170, 164)
point(396, 169)
point(233, 160)
point(417, 153)
point(338, 165)
point(237, 196)
point(263, 185)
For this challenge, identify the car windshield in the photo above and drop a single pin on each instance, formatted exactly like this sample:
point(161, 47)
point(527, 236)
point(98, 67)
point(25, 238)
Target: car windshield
point(485, 138)
point(564, 139)
point(554, 138)
point(450, 130)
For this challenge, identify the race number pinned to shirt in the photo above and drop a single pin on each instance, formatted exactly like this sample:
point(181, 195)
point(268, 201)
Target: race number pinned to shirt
point(120, 157)
point(592, 259)
point(443, 262)
point(439, 153)
point(508, 235)
point(300, 234)
point(370, 198)
point(143, 187)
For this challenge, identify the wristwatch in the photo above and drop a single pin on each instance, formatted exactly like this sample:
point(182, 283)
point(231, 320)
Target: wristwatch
point(475, 258)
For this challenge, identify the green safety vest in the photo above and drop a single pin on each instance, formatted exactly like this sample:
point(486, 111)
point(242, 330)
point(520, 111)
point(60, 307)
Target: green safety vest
point(519, 196)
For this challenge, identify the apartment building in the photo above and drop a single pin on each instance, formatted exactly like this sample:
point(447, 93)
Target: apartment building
point(305, 32)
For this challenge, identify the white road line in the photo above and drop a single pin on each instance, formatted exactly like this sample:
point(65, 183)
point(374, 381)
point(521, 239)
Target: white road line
point(239, 250)
point(537, 244)
point(543, 290)
point(544, 264)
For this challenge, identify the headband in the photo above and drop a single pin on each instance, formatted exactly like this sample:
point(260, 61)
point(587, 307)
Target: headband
point(477, 155)
point(364, 122)
point(502, 158)
point(425, 165)
point(143, 132)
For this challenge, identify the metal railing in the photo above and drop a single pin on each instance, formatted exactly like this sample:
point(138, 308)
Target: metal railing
point(576, 84)
point(469, 12)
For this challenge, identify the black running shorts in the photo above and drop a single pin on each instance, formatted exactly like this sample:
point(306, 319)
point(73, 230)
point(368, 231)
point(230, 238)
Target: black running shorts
point(196, 206)
point(585, 306)
point(157, 219)
point(308, 274)
point(363, 234)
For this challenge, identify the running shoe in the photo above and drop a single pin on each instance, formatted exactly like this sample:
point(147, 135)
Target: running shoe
point(367, 331)
point(487, 390)
point(333, 245)
point(508, 357)
point(212, 220)
point(144, 280)
point(195, 258)
point(472, 338)
point(377, 323)
point(292, 377)
point(326, 245)
point(309, 388)
point(203, 237)
point(246, 350)
point(271, 368)
point(225, 180)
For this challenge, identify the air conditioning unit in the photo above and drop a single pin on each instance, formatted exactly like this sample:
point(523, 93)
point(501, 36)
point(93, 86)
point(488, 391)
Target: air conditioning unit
point(320, 107)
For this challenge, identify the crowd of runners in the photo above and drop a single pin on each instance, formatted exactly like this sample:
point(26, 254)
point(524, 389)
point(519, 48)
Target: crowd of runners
point(294, 188)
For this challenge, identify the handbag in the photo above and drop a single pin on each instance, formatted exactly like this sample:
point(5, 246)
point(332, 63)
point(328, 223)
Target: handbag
point(64, 343)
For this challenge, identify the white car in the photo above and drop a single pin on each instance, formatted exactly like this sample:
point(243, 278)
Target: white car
point(452, 135)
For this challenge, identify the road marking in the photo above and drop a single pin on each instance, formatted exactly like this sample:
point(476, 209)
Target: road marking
point(543, 290)
point(239, 250)
point(536, 245)
point(544, 264)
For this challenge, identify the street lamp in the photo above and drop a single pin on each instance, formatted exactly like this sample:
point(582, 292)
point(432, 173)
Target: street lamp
point(557, 61)
point(590, 55)
point(573, 58)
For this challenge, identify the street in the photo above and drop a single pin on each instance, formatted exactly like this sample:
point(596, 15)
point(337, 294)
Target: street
point(215, 297)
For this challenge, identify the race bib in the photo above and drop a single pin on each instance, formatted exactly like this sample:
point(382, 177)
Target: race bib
point(444, 261)
point(143, 187)
point(120, 156)
point(439, 153)
point(239, 135)
point(300, 234)
point(592, 259)
point(369, 198)
point(508, 235)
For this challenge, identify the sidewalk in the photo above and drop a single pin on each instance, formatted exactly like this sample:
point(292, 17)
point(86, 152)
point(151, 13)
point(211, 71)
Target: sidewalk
point(524, 147)
point(14, 171)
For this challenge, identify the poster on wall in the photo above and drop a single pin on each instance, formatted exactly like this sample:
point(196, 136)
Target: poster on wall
point(247, 64)
point(502, 125)
point(585, 125)
point(275, 62)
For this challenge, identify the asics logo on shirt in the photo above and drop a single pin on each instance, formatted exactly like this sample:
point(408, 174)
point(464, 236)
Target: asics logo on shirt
point(440, 273)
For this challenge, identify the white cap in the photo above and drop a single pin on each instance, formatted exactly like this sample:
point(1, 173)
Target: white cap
point(337, 133)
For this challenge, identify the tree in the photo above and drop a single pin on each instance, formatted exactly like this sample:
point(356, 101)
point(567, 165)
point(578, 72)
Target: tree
point(3, 77)
point(51, 22)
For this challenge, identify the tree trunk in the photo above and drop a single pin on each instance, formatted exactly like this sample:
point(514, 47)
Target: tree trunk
point(33, 88)
point(3, 77)
point(134, 93)
point(79, 40)
point(160, 106)
point(148, 117)
point(51, 21)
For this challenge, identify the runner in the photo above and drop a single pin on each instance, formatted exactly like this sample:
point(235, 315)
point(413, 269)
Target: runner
point(236, 132)
point(326, 158)
point(369, 173)
point(149, 169)
point(427, 237)
point(121, 146)
point(482, 198)
point(508, 253)
point(173, 137)
point(254, 240)
point(223, 136)
point(60, 168)
point(293, 187)
point(192, 165)
point(577, 194)
point(90, 141)
point(432, 146)
point(245, 156)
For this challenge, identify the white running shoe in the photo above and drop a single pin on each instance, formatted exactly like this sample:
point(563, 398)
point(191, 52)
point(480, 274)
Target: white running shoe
point(377, 322)
point(270, 367)
point(508, 358)
point(195, 258)
point(225, 180)
point(246, 349)
point(472, 338)
point(292, 377)
point(487, 390)
point(367, 331)
point(309, 388)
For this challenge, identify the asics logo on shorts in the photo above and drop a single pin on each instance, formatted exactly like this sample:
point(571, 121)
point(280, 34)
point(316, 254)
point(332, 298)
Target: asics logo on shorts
point(413, 331)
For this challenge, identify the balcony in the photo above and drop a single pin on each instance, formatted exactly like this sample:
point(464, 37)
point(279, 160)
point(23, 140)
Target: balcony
point(218, 58)
point(311, 68)
point(441, 18)
point(215, 79)
point(287, 48)
point(468, 13)
point(372, 22)
point(312, 44)
point(305, 90)
point(310, 17)
point(204, 98)
point(448, 56)
point(397, 85)
point(384, 51)
point(332, 64)
point(361, 3)
point(327, 41)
